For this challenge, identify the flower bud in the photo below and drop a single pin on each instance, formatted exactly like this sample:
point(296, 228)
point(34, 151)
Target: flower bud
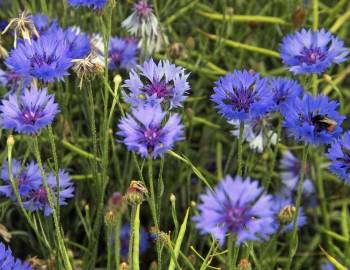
point(286, 215)
point(110, 218)
point(124, 266)
point(10, 140)
point(136, 192)
point(172, 198)
point(177, 50)
point(327, 78)
point(244, 264)
point(299, 16)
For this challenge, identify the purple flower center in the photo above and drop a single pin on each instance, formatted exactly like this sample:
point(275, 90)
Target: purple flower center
point(23, 179)
point(143, 9)
point(161, 89)
point(242, 99)
point(235, 218)
point(151, 137)
point(115, 57)
point(311, 56)
point(40, 60)
point(41, 195)
point(30, 116)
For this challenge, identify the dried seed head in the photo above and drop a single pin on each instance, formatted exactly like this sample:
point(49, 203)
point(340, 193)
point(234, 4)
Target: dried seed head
point(22, 25)
point(5, 234)
point(177, 50)
point(124, 266)
point(299, 16)
point(244, 264)
point(3, 51)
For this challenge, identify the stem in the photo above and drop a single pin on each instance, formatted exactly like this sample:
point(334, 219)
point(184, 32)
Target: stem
point(152, 203)
point(49, 192)
point(314, 84)
point(131, 237)
point(294, 240)
point(232, 250)
point(117, 243)
point(136, 230)
point(240, 146)
point(315, 14)
point(109, 247)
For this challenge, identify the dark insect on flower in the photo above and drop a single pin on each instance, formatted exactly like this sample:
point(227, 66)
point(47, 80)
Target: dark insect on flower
point(322, 122)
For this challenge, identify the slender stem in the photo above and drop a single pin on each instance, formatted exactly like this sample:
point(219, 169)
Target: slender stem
point(50, 195)
point(152, 202)
point(240, 148)
point(136, 230)
point(117, 243)
point(109, 247)
point(231, 247)
point(315, 15)
point(314, 84)
point(294, 239)
point(131, 237)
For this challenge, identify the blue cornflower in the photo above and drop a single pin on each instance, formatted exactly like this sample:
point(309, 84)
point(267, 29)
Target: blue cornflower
point(164, 83)
point(8, 262)
point(242, 95)
point(284, 91)
point(290, 167)
point(239, 207)
point(125, 238)
point(30, 112)
point(339, 154)
point(327, 266)
point(37, 200)
point(93, 4)
point(313, 120)
point(78, 42)
point(12, 81)
point(145, 132)
point(27, 178)
point(122, 53)
point(46, 58)
point(307, 51)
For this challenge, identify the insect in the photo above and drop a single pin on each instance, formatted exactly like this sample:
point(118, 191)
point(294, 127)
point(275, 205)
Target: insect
point(323, 122)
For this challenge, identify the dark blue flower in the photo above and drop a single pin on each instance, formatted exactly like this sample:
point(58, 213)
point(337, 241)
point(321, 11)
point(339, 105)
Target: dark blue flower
point(8, 262)
point(44, 24)
point(46, 58)
point(93, 4)
point(27, 178)
point(339, 154)
point(122, 53)
point(38, 200)
point(242, 95)
point(78, 43)
point(145, 131)
point(313, 120)
point(284, 91)
point(125, 238)
point(327, 266)
point(30, 112)
point(312, 52)
point(164, 83)
point(12, 81)
point(239, 207)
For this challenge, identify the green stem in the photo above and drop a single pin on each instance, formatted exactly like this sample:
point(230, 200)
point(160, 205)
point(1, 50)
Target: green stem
point(50, 195)
point(136, 230)
point(240, 148)
point(314, 84)
point(109, 247)
point(294, 239)
point(117, 243)
point(131, 238)
point(152, 202)
point(315, 14)
point(231, 254)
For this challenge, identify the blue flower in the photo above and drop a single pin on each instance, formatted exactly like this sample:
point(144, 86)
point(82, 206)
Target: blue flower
point(8, 262)
point(307, 52)
point(125, 238)
point(242, 95)
point(12, 81)
point(327, 266)
point(46, 58)
point(27, 179)
point(38, 200)
point(290, 168)
point(284, 91)
point(43, 24)
point(78, 43)
point(164, 83)
point(93, 4)
point(313, 120)
point(30, 112)
point(145, 132)
point(339, 154)
point(122, 53)
point(237, 206)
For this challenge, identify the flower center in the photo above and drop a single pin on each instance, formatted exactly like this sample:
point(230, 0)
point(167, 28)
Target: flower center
point(142, 9)
point(235, 218)
point(23, 179)
point(41, 194)
point(151, 137)
point(242, 99)
point(311, 55)
point(161, 89)
point(115, 57)
point(30, 116)
point(40, 60)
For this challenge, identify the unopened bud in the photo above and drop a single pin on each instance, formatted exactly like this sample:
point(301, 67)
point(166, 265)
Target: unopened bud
point(286, 215)
point(110, 218)
point(190, 43)
point(136, 192)
point(244, 264)
point(10, 141)
point(193, 204)
point(123, 266)
point(153, 265)
point(327, 78)
point(117, 81)
point(176, 50)
point(172, 197)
